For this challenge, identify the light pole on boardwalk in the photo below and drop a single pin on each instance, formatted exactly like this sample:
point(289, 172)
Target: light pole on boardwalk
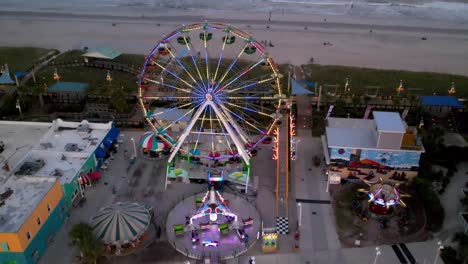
point(439, 248)
point(377, 254)
point(299, 205)
point(134, 148)
point(18, 106)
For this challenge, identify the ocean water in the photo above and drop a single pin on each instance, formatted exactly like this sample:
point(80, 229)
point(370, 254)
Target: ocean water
point(453, 10)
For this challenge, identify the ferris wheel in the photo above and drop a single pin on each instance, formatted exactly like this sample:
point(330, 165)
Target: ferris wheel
point(218, 79)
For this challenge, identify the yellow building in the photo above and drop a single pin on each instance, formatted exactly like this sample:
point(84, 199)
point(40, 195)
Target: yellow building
point(31, 213)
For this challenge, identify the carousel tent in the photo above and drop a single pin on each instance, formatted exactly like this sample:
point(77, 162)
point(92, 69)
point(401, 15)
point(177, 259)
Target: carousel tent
point(121, 223)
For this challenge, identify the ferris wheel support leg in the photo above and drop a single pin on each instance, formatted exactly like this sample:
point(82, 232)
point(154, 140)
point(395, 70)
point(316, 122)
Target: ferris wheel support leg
point(187, 130)
point(168, 169)
point(235, 139)
point(235, 125)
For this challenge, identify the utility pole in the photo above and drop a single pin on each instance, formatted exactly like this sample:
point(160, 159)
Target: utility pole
point(319, 98)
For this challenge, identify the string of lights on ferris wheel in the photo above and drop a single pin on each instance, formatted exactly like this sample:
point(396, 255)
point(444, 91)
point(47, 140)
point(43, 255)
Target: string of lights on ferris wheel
point(213, 94)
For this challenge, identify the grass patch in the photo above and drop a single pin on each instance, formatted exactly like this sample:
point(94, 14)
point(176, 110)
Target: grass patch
point(424, 83)
point(21, 59)
point(343, 213)
point(131, 59)
point(70, 55)
point(96, 78)
point(434, 211)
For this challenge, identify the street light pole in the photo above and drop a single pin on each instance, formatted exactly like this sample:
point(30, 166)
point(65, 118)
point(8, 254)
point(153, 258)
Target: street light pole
point(439, 247)
point(377, 253)
point(300, 213)
point(328, 181)
point(134, 148)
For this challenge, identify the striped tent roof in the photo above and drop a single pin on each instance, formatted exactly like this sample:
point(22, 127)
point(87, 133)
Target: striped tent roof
point(150, 141)
point(121, 223)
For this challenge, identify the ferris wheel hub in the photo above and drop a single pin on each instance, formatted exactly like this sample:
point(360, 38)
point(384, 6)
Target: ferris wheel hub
point(209, 97)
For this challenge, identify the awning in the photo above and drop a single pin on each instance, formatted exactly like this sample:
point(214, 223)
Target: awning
point(100, 153)
point(20, 74)
point(297, 89)
point(84, 179)
point(111, 137)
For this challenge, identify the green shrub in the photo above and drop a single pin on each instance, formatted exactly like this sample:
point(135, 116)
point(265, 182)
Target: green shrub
point(434, 211)
point(449, 256)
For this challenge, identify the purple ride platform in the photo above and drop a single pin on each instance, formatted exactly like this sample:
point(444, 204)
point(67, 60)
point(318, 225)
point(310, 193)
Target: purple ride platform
point(229, 245)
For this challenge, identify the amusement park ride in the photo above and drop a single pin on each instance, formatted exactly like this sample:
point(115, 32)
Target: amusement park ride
point(208, 215)
point(228, 86)
point(383, 197)
point(228, 90)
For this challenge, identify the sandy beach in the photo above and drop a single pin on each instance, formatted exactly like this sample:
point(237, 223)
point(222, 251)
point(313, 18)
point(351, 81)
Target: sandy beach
point(394, 43)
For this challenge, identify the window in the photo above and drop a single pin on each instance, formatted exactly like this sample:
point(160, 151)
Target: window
point(4, 247)
point(48, 207)
point(38, 221)
point(28, 235)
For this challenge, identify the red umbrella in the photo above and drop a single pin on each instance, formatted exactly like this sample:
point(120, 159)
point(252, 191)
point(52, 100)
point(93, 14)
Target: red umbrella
point(95, 175)
point(369, 162)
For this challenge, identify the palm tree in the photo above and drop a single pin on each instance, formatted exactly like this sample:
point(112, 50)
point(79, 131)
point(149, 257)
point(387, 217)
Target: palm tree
point(83, 238)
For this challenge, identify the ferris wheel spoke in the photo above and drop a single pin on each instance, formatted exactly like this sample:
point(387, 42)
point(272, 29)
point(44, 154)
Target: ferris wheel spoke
point(247, 109)
point(185, 69)
point(200, 129)
point(184, 115)
point(230, 67)
point(250, 98)
point(167, 97)
point(175, 105)
point(246, 86)
point(212, 129)
point(206, 58)
point(243, 119)
point(234, 124)
point(194, 61)
point(240, 75)
point(171, 86)
point(172, 107)
point(224, 134)
point(164, 68)
point(221, 55)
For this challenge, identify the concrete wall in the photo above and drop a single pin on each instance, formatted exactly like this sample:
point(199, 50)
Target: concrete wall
point(337, 153)
point(395, 159)
point(389, 140)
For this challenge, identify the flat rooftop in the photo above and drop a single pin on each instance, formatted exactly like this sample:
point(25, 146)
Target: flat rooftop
point(362, 133)
point(27, 193)
point(68, 139)
point(18, 139)
point(389, 122)
point(61, 151)
point(339, 137)
point(337, 122)
point(62, 165)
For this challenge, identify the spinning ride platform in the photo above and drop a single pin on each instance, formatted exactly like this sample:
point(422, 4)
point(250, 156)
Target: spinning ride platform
point(213, 224)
